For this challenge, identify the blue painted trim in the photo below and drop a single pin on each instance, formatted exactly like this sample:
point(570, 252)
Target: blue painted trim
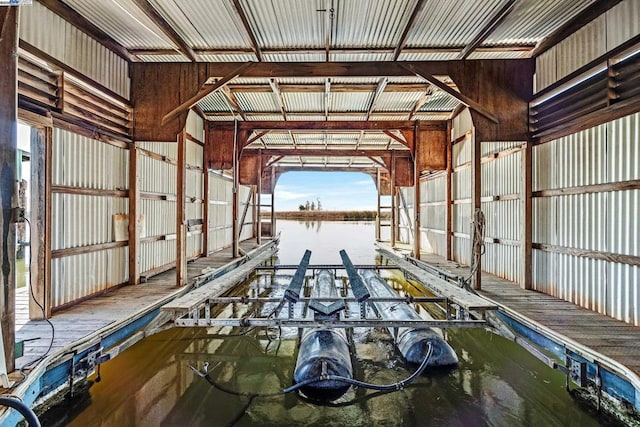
point(612, 384)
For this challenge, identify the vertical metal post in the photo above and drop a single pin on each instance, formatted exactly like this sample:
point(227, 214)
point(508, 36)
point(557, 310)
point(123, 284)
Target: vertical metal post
point(235, 244)
point(526, 218)
point(134, 205)
point(258, 218)
point(416, 199)
point(205, 212)
point(448, 196)
point(181, 235)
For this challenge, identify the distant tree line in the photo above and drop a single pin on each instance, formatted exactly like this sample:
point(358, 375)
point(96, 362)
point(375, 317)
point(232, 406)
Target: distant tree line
point(311, 206)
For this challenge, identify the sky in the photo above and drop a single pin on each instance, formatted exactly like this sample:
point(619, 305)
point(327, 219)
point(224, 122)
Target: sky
point(336, 191)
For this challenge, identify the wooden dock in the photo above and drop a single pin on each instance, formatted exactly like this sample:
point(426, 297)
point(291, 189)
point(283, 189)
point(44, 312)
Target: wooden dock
point(106, 312)
point(612, 343)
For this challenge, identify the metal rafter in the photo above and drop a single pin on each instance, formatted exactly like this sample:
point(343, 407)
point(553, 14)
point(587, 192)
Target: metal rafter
point(403, 39)
point(167, 29)
point(486, 31)
point(245, 23)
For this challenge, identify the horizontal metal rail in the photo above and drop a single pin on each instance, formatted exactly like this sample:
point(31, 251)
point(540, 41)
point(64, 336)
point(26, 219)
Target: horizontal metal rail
point(327, 267)
point(249, 300)
point(338, 323)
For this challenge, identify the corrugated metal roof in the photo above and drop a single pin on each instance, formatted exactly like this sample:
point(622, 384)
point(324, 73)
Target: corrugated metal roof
point(440, 101)
point(228, 57)
point(354, 101)
point(370, 23)
point(427, 56)
point(123, 21)
point(360, 56)
point(163, 58)
point(451, 23)
point(204, 24)
point(293, 57)
point(303, 101)
point(256, 101)
point(286, 23)
point(354, 118)
point(214, 102)
point(500, 54)
point(532, 20)
point(397, 101)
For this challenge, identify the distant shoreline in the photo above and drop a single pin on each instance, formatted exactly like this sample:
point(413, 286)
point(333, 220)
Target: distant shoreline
point(327, 215)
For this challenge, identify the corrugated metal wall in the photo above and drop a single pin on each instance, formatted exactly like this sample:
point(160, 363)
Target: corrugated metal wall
point(81, 220)
point(194, 185)
point(433, 214)
point(245, 200)
point(461, 197)
point(158, 179)
point(405, 215)
point(56, 37)
point(603, 221)
point(220, 211)
point(606, 32)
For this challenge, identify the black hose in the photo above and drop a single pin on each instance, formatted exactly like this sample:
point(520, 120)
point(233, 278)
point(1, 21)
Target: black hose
point(356, 383)
point(27, 413)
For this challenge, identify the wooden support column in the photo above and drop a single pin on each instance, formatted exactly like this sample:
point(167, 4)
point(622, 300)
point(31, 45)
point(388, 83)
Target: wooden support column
point(205, 213)
point(378, 185)
point(48, 219)
point(416, 194)
point(526, 218)
point(449, 196)
point(476, 192)
point(393, 199)
point(181, 232)
point(134, 205)
point(254, 198)
point(273, 202)
point(8, 191)
point(258, 218)
point(38, 219)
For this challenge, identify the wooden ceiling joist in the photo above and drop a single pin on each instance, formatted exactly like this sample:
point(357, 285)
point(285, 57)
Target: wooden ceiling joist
point(339, 125)
point(247, 28)
point(204, 91)
point(279, 98)
point(167, 29)
point(355, 115)
point(486, 31)
point(322, 152)
point(457, 95)
point(382, 84)
point(233, 101)
point(74, 18)
point(328, 87)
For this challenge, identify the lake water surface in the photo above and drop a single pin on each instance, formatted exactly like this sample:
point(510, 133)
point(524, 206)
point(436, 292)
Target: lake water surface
point(496, 383)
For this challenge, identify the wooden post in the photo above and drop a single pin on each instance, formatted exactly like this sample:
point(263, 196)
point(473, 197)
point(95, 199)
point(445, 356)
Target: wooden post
point(273, 202)
point(181, 243)
point(258, 218)
point(8, 194)
point(205, 213)
point(134, 206)
point(449, 195)
point(38, 220)
point(416, 198)
point(476, 192)
point(48, 217)
point(393, 199)
point(378, 185)
point(526, 217)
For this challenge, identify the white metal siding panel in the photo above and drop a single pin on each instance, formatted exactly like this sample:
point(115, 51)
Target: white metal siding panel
point(56, 37)
point(220, 212)
point(622, 23)
point(195, 126)
point(157, 176)
point(157, 254)
point(624, 148)
point(78, 276)
point(546, 69)
point(582, 47)
point(461, 124)
point(167, 149)
point(195, 153)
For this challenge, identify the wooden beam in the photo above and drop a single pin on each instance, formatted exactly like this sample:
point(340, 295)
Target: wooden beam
point(134, 209)
point(419, 103)
point(48, 219)
point(449, 196)
point(416, 196)
point(79, 250)
point(439, 116)
point(322, 152)
point(203, 92)
point(587, 15)
point(9, 18)
point(181, 235)
point(495, 20)
point(38, 222)
point(393, 200)
point(633, 184)
point(279, 99)
point(329, 86)
point(247, 28)
point(585, 253)
point(258, 218)
point(257, 136)
point(79, 21)
point(283, 169)
point(396, 137)
point(457, 95)
point(233, 101)
point(405, 33)
point(526, 217)
point(338, 125)
point(382, 83)
point(167, 29)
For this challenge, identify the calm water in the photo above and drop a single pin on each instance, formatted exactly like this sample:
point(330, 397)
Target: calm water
point(496, 383)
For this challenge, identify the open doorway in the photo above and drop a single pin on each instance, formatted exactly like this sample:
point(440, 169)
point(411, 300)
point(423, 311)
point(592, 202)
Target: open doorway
point(23, 232)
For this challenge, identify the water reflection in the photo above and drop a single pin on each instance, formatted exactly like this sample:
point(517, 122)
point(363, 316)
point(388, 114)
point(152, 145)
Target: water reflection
point(496, 383)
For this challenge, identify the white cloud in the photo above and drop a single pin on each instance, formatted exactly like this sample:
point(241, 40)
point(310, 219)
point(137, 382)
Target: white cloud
point(290, 195)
